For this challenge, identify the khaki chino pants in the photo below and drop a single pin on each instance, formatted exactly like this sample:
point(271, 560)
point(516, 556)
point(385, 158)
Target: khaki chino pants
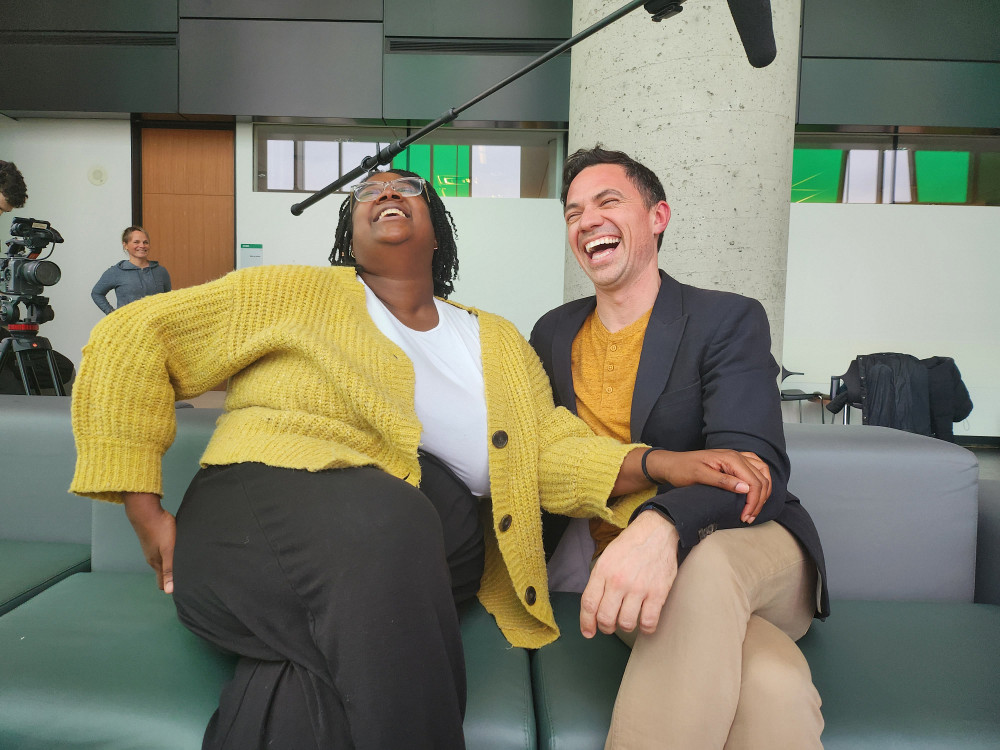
point(722, 669)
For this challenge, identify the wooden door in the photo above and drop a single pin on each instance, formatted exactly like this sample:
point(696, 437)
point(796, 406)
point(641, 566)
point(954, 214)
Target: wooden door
point(189, 202)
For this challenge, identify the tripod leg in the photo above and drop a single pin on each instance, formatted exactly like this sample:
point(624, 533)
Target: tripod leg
point(57, 383)
point(6, 350)
point(19, 358)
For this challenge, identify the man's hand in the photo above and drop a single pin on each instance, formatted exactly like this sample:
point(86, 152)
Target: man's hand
point(730, 470)
point(157, 532)
point(630, 581)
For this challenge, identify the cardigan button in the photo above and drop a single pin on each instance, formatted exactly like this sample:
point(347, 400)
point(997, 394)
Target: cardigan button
point(505, 522)
point(499, 439)
point(529, 595)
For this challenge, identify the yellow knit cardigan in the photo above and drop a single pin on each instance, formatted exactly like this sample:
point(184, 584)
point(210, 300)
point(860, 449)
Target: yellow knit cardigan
point(313, 384)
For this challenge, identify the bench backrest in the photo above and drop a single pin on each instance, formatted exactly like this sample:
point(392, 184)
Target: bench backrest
point(897, 512)
point(115, 546)
point(36, 465)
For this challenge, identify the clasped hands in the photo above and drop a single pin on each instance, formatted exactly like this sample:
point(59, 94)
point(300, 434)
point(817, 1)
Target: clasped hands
point(630, 581)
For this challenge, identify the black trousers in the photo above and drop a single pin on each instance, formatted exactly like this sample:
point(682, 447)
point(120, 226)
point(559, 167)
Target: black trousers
point(335, 590)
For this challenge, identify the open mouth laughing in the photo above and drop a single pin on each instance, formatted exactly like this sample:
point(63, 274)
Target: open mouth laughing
point(601, 247)
point(391, 212)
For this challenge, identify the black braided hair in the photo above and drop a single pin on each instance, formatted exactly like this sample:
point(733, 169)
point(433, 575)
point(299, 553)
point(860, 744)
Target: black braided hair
point(444, 265)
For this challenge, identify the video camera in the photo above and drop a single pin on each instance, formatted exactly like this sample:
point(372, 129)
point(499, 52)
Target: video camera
point(23, 275)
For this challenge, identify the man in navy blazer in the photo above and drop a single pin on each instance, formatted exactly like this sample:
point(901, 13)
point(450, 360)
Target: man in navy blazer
point(712, 596)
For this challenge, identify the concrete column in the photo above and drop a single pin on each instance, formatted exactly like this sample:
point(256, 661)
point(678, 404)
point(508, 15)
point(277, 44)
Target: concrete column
point(681, 97)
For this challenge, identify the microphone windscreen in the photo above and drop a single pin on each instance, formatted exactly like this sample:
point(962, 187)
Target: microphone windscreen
point(753, 22)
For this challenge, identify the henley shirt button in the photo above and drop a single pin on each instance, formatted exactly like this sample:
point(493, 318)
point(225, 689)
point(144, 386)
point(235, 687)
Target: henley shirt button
point(499, 439)
point(613, 347)
point(505, 522)
point(529, 595)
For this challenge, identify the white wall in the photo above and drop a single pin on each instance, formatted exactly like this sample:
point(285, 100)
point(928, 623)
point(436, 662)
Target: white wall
point(56, 158)
point(510, 252)
point(916, 279)
point(921, 280)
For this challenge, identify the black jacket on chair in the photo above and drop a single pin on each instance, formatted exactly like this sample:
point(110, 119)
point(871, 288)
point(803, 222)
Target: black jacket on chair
point(706, 379)
point(923, 396)
point(949, 398)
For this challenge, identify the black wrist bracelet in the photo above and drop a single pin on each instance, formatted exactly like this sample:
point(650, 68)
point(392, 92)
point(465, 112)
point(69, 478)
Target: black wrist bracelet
point(645, 472)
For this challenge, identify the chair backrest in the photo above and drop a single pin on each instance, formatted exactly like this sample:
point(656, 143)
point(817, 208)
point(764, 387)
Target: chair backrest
point(891, 389)
point(114, 544)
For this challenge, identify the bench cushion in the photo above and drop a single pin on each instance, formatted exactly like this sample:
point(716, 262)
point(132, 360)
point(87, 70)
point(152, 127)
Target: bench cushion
point(27, 568)
point(915, 675)
point(988, 543)
point(908, 675)
point(575, 682)
point(499, 714)
point(100, 660)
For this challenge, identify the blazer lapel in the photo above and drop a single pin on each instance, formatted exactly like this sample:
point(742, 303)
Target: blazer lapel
point(659, 348)
point(562, 350)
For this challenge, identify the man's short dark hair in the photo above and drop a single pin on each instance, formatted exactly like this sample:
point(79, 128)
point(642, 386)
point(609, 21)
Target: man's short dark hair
point(641, 176)
point(12, 184)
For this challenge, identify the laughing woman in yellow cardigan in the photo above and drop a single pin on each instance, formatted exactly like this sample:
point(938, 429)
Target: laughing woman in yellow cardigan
point(383, 455)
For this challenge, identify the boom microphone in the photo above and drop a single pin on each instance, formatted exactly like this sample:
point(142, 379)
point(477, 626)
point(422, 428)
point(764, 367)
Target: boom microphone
point(753, 22)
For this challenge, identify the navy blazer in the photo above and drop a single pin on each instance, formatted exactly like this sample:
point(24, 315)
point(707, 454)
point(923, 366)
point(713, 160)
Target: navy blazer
point(706, 379)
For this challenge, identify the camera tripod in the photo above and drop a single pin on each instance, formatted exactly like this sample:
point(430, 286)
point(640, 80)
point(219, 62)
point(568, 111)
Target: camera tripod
point(22, 342)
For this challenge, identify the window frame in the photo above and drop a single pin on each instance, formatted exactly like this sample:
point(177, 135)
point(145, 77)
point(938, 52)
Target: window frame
point(552, 140)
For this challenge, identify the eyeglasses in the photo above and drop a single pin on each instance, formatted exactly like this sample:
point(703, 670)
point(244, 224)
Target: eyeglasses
point(405, 186)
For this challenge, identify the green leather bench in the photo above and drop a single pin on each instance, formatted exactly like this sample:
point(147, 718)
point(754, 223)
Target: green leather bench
point(906, 660)
point(29, 567)
point(895, 675)
point(99, 660)
point(44, 533)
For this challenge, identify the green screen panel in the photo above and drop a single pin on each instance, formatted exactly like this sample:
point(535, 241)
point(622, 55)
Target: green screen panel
point(445, 170)
point(419, 160)
point(463, 178)
point(988, 179)
point(816, 175)
point(942, 176)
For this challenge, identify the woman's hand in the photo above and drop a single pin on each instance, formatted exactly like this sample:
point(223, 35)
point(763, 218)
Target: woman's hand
point(157, 532)
point(744, 473)
point(751, 512)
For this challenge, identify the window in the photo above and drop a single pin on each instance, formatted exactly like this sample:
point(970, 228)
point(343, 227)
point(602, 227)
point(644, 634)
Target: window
point(912, 168)
point(458, 162)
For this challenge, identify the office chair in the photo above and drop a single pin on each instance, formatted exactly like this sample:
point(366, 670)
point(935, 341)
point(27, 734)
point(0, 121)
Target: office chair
point(797, 394)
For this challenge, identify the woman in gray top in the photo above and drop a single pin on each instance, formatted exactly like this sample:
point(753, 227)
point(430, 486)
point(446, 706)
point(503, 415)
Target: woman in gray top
point(134, 278)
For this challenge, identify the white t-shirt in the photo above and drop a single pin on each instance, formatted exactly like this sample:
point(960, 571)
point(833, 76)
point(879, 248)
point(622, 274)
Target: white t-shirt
point(450, 395)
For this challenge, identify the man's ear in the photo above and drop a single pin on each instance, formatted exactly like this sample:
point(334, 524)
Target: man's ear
point(660, 217)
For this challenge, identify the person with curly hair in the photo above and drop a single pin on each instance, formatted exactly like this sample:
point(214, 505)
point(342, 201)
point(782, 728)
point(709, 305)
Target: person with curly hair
point(13, 191)
point(380, 462)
